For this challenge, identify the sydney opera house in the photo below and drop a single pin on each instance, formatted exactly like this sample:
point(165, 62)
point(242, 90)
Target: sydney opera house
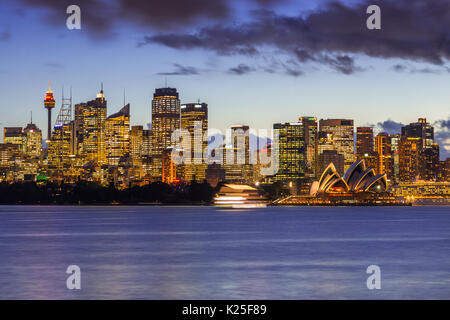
point(357, 180)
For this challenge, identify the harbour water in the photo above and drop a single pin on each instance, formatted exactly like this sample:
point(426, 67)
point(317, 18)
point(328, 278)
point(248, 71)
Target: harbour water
point(151, 252)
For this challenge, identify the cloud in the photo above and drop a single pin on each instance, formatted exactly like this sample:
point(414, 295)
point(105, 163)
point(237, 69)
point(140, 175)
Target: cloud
point(413, 30)
point(389, 126)
point(241, 69)
point(333, 35)
point(101, 17)
point(443, 124)
point(54, 65)
point(401, 68)
point(97, 18)
point(180, 71)
point(5, 35)
point(442, 136)
point(170, 14)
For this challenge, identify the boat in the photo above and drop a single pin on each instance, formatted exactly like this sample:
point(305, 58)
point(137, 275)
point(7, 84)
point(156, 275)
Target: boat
point(239, 196)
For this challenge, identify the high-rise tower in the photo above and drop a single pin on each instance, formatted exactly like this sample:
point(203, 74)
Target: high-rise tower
point(49, 104)
point(337, 134)
point(194, 118)
point(90, 120)
point(165, 120)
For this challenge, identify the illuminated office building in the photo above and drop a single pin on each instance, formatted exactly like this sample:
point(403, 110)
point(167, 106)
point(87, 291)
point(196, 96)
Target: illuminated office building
point(418, 154)
point(169, 168)
point(383, 149)
point(430, 163)
point(237, 164)
point(59, 151)
point(117, 135)
point(395, 140)
point(136, 140)
point(311, 144)
point(331, 156)
point(194, 119)
point(90, 120)
point(420, 129)
point(444, 170)
point(339, 133)
point(291, 151)
point(33, 137)
point(165, 120)
point(364, 140)
point(16, 136)
point(8, 152)
point(409, 157)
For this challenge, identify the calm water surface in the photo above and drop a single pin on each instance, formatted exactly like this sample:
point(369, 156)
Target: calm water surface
point(206, 253)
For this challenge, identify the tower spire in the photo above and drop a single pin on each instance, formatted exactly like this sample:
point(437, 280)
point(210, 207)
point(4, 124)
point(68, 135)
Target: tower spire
point(100, 95)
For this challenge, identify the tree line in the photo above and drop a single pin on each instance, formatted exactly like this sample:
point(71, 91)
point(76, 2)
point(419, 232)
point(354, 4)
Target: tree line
point(85, 192)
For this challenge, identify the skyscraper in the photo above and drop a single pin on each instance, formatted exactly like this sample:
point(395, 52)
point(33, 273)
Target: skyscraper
point(383, 149)
point(340, 131)
point(16, 136)
point(291, 151)
point(418, 154)
point(49, 104)
point(33, 139)
point(194, 118)
point(395, 141)
point(331, 156)
point(364, 140)
point(409, 157)
point(165, 120)
point(59, 151)
point(420, 129)
point(117, 135)
point(311, 144)
point(237, 164)
point(90, 120)
point(430, 163)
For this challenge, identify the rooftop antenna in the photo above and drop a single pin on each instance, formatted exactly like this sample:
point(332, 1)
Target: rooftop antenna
point(31, 121)
point(123, 96)
point(101, 91)
point(65, 113)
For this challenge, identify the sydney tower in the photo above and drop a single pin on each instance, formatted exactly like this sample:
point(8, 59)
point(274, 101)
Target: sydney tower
point(49, 104)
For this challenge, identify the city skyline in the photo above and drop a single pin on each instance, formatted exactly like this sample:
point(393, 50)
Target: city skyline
point(391, 127)
point(95, 147)
point(369, 88)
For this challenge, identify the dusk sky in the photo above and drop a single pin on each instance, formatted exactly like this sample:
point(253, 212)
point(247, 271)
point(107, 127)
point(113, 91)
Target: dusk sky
point(254, 62)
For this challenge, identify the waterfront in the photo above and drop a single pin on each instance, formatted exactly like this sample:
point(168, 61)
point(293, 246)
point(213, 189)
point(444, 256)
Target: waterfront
point(207, 253)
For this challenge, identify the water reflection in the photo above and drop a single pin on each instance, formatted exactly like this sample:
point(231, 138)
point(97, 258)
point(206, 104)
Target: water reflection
point(207, 253)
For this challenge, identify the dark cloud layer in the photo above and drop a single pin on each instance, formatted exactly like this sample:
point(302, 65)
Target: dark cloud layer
point(99, 17)
point(414, 30)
